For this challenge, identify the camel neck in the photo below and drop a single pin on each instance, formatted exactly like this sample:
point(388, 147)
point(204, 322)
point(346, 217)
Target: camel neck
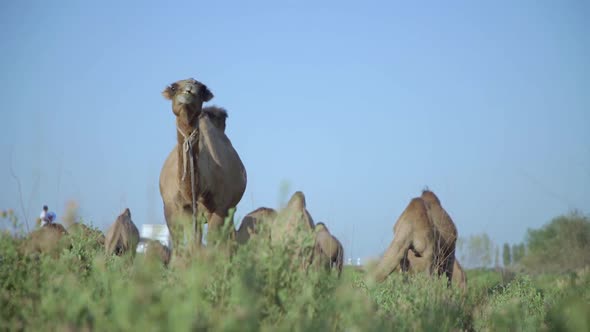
point(184, 128)
point(183, 133)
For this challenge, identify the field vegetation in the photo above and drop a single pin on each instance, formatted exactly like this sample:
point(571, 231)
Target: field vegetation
point(262, 288)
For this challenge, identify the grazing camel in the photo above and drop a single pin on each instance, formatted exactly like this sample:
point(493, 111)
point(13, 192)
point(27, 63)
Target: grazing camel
point(295, 225)
point(203, 176)
point(413, 231)
point(123, 236)
point(50, 239)
point(251, 222)
point(424, 241)
point(287, 222)
point(293, 219)
point(328, 251)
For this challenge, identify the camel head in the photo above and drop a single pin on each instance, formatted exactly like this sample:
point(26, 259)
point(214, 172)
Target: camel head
point(429, 197)
point(187, 98)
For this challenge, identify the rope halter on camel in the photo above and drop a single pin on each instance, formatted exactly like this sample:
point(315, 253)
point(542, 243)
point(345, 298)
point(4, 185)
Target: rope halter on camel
point(187, 147)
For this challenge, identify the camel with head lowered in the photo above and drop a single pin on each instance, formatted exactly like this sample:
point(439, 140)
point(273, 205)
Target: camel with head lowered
point(123, 236)
point(424, 241)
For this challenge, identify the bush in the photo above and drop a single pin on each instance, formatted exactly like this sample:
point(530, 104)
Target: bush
point(562, 245)
point(263, 287)
point(516, 306)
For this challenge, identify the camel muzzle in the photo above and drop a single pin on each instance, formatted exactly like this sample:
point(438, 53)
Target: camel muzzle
point(185, 98)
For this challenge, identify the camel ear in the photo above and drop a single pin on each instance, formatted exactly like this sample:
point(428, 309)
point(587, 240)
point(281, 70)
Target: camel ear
point(206, 94)
point(170, 91)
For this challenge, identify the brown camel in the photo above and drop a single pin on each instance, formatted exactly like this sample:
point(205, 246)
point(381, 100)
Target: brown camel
point(295, 225)
point(427, 212)
point(293, 219)
point(295, 213)
point(203, 176)
point(123, 236)
point(252, 220)
point(328, 251)
point(49, 239)
point(413, 231)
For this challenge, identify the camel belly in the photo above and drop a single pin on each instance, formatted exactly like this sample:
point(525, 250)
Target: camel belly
point(222, 179)
point(168, 183)
point(218, 187)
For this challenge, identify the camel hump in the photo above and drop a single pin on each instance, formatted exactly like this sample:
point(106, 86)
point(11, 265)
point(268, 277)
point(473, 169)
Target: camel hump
point(263, 210)
point(215, 112)
point(320, 226)
point(123, 235)
point(297, 200)
point(416, 204)
point(217, 115)
point(430, 197)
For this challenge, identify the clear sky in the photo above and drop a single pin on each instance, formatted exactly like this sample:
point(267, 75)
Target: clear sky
point(359, 105)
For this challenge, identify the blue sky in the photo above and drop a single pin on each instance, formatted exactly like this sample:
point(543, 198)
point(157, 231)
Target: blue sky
point(358, 105)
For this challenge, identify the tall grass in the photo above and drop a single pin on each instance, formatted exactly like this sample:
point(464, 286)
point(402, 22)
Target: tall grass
point(262, 287)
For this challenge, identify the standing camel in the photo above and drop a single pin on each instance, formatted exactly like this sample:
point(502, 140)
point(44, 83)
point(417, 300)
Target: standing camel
point(424, 241)
point(203, 175)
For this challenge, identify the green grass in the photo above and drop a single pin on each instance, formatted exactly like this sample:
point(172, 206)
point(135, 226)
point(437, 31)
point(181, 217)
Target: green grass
point(262, 288)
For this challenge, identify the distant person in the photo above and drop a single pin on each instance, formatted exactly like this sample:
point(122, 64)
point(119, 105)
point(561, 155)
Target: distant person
point(48, 217)
point(43, 216)
point(51, 217)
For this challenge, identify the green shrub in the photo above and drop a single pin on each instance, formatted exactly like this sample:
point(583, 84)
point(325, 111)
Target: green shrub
point(563, 245)
point(516, 306)
point(265, 287)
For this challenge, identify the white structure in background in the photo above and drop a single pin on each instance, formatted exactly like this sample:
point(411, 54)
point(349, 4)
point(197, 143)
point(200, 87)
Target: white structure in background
point(358, 261)
point(157, 232)
point(349, 261)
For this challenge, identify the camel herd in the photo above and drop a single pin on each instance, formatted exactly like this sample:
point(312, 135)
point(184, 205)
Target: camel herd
point(203, 177)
